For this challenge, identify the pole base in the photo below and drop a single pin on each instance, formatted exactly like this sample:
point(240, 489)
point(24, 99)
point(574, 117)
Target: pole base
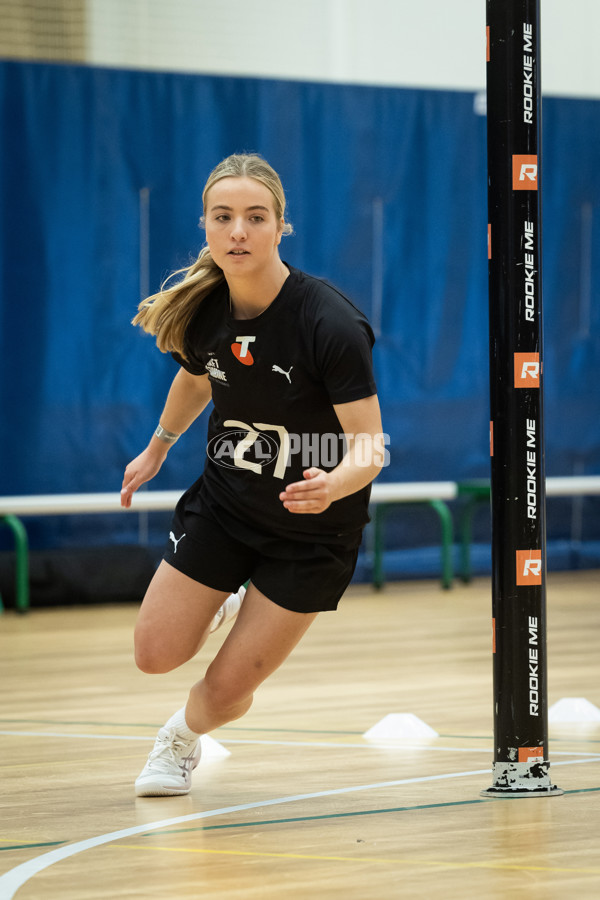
point(495, 793)
point(522, 779)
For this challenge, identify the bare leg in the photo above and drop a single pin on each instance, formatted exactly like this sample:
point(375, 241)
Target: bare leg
point(261, 639)
point(173, 623)
point(174, 620)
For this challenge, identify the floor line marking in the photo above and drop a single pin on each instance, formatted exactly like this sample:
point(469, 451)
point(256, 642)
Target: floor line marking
point(57, 763)
point(347, 815)
point(367, 745)
point(555, 738)
point(157, 725)
point(11, 881)
point(66, 734)
point(32, 845)
point(344, 815)
point(445, 864)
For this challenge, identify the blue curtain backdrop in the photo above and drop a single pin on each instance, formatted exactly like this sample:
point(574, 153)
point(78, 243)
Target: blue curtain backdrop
point(387, 194)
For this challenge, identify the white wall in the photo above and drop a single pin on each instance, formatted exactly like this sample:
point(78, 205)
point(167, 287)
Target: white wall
point(432, 43)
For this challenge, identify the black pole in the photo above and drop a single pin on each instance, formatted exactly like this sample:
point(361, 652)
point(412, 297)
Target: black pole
point(521, 764)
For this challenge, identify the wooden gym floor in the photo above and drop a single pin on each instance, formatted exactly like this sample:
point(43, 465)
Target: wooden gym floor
point(304, 806)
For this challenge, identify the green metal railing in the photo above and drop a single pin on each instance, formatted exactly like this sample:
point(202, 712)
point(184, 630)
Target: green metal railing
point(380, 512)
point(21, 563)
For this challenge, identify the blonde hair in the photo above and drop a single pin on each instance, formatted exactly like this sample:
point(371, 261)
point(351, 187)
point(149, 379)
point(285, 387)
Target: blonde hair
point(167, 313)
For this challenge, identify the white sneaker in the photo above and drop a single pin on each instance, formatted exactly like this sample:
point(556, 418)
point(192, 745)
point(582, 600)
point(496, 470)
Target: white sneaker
point(228, 610)
point(168, 771)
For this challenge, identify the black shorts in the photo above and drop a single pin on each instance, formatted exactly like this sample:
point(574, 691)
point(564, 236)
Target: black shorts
point(221, 552)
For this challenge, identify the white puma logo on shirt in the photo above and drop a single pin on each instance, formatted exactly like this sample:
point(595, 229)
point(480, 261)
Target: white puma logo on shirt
point(282, 372)
point(175, 540)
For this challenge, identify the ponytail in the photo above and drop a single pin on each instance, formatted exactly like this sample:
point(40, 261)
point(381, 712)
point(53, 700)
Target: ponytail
point(167, 313)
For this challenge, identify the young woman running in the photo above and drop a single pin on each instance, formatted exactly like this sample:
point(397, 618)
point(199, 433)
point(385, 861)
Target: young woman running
point(294, 441)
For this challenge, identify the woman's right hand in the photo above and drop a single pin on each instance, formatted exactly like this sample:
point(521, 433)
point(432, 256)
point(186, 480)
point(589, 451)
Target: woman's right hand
point(141, 469)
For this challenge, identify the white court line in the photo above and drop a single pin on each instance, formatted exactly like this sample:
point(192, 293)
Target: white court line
point(400, 745)
point(15, 878)
point(367, 745)
point(64, 734)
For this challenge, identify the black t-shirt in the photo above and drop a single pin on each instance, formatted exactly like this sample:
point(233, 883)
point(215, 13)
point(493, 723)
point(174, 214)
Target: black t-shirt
point(274, 381)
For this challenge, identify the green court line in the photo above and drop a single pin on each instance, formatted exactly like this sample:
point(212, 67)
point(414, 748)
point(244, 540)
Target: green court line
point(32, 846)
point(78, 722)
point(159, 725)
point(583, 791)
point(569, 739)
point(344, 815)
point(288, 730)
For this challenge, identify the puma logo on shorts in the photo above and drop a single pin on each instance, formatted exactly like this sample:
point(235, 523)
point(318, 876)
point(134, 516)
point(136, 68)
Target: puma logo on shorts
point(175, 540)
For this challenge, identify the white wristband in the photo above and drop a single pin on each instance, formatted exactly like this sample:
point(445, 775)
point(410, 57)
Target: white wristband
point(169, 437)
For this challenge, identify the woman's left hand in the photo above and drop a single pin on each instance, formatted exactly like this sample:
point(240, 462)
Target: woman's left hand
point(313, 495)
